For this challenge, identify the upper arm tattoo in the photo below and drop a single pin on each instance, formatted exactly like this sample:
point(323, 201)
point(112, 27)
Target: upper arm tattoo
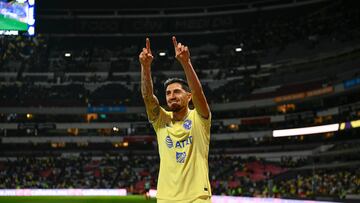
point(152, 108)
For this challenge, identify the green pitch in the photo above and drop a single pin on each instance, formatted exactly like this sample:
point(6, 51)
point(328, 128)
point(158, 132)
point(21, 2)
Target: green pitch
point(111, 199)
point(11, 24)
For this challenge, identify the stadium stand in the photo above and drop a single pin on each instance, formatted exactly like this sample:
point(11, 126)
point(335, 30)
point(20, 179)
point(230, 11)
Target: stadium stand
point(72, 116)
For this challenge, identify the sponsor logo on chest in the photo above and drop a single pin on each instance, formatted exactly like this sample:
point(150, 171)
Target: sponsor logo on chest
point(178, 144)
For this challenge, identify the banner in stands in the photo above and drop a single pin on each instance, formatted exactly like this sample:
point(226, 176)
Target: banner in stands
point(301, 95)
point(39, 126)
point(349, 125)
point(351, 83)
point(107, 109)
point(123, 192)
point(63, 192)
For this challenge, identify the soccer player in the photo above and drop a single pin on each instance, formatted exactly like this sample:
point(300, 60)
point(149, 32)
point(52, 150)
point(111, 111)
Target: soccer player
point(183, 134)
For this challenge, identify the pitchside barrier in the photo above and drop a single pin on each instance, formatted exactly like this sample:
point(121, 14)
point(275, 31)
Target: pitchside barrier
point(123, 192)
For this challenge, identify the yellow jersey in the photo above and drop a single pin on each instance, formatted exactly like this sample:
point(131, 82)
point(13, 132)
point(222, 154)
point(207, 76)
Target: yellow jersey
point(183, 149)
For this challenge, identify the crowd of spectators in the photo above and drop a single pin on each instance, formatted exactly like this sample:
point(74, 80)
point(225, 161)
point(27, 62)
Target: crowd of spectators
point(228, 122)
point(262, 179)
point(229, 175)
point(126, 91)
point(23, 54)
point(112, 90)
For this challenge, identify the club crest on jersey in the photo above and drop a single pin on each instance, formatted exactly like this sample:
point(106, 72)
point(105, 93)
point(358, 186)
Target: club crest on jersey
point(169, 142)
point(180, 157)
point(187, 124)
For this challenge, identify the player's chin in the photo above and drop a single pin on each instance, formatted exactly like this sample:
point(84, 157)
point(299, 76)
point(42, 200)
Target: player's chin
point(174, 107)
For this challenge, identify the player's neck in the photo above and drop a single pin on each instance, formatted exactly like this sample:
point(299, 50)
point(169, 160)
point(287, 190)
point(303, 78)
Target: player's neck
point(181, 115)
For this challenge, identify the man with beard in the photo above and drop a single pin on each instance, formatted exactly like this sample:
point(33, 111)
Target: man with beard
point(183, 134)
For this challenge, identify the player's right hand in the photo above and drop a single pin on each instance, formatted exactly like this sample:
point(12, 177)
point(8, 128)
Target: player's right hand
point(146, 56)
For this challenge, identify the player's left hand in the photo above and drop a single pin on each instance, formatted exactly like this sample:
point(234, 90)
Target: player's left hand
point(182, 53)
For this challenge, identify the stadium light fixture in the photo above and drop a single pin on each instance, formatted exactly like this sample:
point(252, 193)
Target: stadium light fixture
point(67, 54)
point(162, 53)
point(31, 2)
point(31, 30)
point(29, 116)
point(238, 49)
point(306, 130)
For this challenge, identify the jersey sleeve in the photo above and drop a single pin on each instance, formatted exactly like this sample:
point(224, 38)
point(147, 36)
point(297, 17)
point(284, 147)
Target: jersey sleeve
point(204, 121)
point(160, 120)
point(205, 124)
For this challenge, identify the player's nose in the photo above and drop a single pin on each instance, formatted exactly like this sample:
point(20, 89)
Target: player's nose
point(171, 96)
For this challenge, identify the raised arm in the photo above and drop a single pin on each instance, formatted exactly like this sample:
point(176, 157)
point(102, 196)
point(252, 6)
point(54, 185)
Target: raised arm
point(182, 54)
point(150, 100)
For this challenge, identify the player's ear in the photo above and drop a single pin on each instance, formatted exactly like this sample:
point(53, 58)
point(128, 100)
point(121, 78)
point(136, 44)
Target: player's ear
point(189, 95)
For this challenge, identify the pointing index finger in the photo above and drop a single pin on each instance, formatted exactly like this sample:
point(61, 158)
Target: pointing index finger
point(174, 41)
point(148, 44)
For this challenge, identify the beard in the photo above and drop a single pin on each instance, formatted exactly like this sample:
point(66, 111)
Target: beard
point(175, 107)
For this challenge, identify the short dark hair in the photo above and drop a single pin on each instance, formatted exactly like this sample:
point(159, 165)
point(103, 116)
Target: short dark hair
point(182, 82)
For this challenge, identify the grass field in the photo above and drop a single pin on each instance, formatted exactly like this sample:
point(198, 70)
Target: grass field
point(67, 199)
point(11, 24)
